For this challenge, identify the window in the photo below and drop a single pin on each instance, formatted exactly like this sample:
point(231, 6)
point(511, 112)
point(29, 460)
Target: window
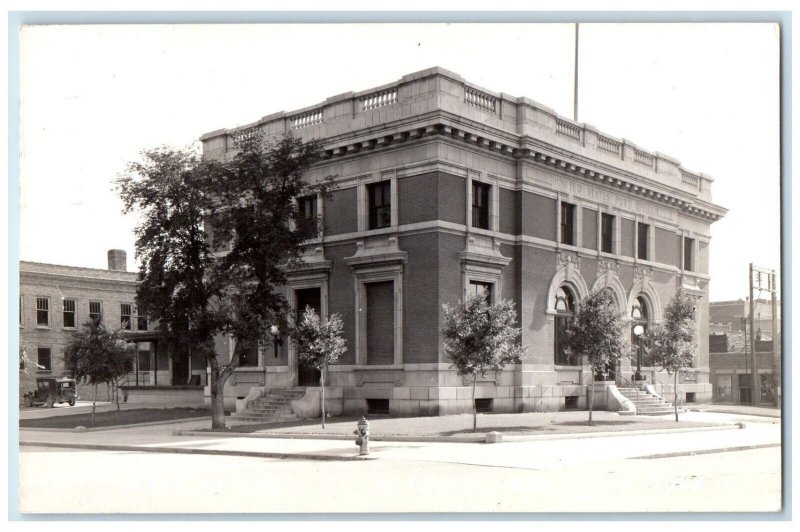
point(144, 360)
point(643, 231)
point(688, 246)
point(248, 355)
point(480, 205)
point(21, 306)
point(43, 311)
point(125, 314)
point(567, 223)
point(308, 208)
point(69, 313)
point(607, 233)
point(484, 406)
point(380, 205)
point(95, 311)
point(565, 310)
point(67, 364)
point(141, 320)
point(480, 288)
point(767, 387)
point(377, 407)
point(44, 360)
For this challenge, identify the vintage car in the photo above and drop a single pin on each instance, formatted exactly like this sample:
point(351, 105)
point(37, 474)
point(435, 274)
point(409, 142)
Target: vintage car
point(51, 390)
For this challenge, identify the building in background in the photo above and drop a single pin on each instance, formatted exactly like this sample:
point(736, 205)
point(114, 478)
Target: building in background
point(55, 301)
point(445, 188)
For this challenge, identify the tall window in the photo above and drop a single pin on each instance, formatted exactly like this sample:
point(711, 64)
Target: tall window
point(607, 233)
point(480, 288)
point(308, 208)
point(69, 313)
point(688, 247)
point(480, 205)
point(640, 315)
point(380, 205)
point(43, 311)
point(125, 316)
point(567, 223)
point(95, 311)
point(44, 360)
point(141, 320)
point(643, 233)
point(565, 310)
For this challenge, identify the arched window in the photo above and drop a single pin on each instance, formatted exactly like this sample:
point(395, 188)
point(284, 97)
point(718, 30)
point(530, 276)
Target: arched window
point(565, 310)
point(640, 314)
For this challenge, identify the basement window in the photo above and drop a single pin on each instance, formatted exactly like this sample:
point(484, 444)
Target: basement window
point(378, 407)
point(484, 406)
point(690, 397)
point(571, 402)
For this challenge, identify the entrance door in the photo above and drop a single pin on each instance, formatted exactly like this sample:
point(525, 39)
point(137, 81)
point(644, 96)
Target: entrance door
point(745, 390)
point(180, 366)
point(307, 297)
point(724, 386)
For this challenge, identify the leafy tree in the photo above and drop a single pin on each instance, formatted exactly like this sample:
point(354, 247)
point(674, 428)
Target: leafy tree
point(26, 361)
point(595, 332)
point(251, 200)
point(98, 355)
point(479, 338)
point(672, 343)
point(168, 189)
point(319, 345)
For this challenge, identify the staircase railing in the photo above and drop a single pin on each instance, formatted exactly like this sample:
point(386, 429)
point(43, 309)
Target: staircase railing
point(628, 384)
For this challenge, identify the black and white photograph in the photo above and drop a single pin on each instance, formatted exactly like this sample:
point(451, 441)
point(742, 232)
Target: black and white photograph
point(516, 267)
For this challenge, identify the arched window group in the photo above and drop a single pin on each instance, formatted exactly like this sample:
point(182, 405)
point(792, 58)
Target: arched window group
point(565, 311)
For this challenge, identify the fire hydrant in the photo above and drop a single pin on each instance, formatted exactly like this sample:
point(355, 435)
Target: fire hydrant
point(362, 436)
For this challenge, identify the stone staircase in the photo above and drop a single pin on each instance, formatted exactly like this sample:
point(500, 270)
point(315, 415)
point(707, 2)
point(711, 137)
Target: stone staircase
point(275, 407)
point(646, 404)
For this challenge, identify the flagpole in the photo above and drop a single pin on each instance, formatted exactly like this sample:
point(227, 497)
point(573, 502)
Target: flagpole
point(575, 98)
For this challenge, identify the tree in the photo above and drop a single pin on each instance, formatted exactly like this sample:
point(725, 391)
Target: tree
point(168, 188)
point(319, 345)
point(251, 200)
point(480, 337)
point(98, 355)
point(671, 344)
point(595, 332)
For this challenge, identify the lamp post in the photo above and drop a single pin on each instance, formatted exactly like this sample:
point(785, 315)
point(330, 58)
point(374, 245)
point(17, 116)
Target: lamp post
point(638, 330)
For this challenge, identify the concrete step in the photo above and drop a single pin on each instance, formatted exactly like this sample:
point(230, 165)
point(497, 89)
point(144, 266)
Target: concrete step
point(266, 419)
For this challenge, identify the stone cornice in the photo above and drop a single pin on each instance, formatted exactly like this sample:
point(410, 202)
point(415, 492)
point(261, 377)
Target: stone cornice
point(537, 152)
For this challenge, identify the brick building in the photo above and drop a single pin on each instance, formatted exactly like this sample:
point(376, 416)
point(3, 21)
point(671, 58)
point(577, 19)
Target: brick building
point(55, 301)
point(445, 188)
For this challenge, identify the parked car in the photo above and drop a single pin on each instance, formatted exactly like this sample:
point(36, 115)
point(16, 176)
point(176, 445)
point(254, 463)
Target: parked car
point(51, 390)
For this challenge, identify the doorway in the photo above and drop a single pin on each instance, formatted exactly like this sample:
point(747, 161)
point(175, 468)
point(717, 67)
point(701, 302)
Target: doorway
point(307, 297)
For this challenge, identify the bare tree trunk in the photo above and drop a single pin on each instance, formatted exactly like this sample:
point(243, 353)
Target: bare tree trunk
point(676, 395)
point(116, 394)
point(217, 395)
point(591, 396)
point(322, 382)
point(94, 402)
point(474, 409)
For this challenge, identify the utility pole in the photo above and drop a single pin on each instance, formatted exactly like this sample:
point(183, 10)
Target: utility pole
point(776, 345)
point(754, 373)
point(746, 357)
point(575, 77)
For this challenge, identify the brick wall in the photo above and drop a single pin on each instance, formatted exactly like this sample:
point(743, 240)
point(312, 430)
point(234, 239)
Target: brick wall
point(416, 203)
point(590, 228)
point(509, 211)
point(626, 238)
point(341, 296)
point(538, 216)
point(420, 298)
point(341, 213)
point(665, 247)
point(452, 200)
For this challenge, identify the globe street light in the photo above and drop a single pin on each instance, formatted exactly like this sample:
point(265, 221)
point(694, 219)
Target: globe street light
point(638, 330)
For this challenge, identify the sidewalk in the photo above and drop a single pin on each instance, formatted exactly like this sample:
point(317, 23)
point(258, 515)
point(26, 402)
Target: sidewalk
point(748, 410)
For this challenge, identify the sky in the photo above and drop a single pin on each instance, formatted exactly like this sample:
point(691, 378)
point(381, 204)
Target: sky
point(93, 97)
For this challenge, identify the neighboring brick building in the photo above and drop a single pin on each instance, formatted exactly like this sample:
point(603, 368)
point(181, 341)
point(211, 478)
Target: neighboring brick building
point(56, 300)
point(445, 188)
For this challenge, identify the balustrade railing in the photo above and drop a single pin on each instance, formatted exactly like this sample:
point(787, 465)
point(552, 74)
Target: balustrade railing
point(689, 178)
point(307, 119)
point(379, 99)
point(480, 99)
point(642, 157)
point(609, 145)
point(568, 130)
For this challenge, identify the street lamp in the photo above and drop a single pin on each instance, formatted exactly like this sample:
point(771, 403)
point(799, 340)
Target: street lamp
point(276, 340)
point(638, 330)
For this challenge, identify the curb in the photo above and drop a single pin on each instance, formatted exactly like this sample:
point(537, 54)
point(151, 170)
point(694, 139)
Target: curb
point(450, 439)
point(185, 450)
point(734, 412)
point(707, 451)
point(120, 427)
